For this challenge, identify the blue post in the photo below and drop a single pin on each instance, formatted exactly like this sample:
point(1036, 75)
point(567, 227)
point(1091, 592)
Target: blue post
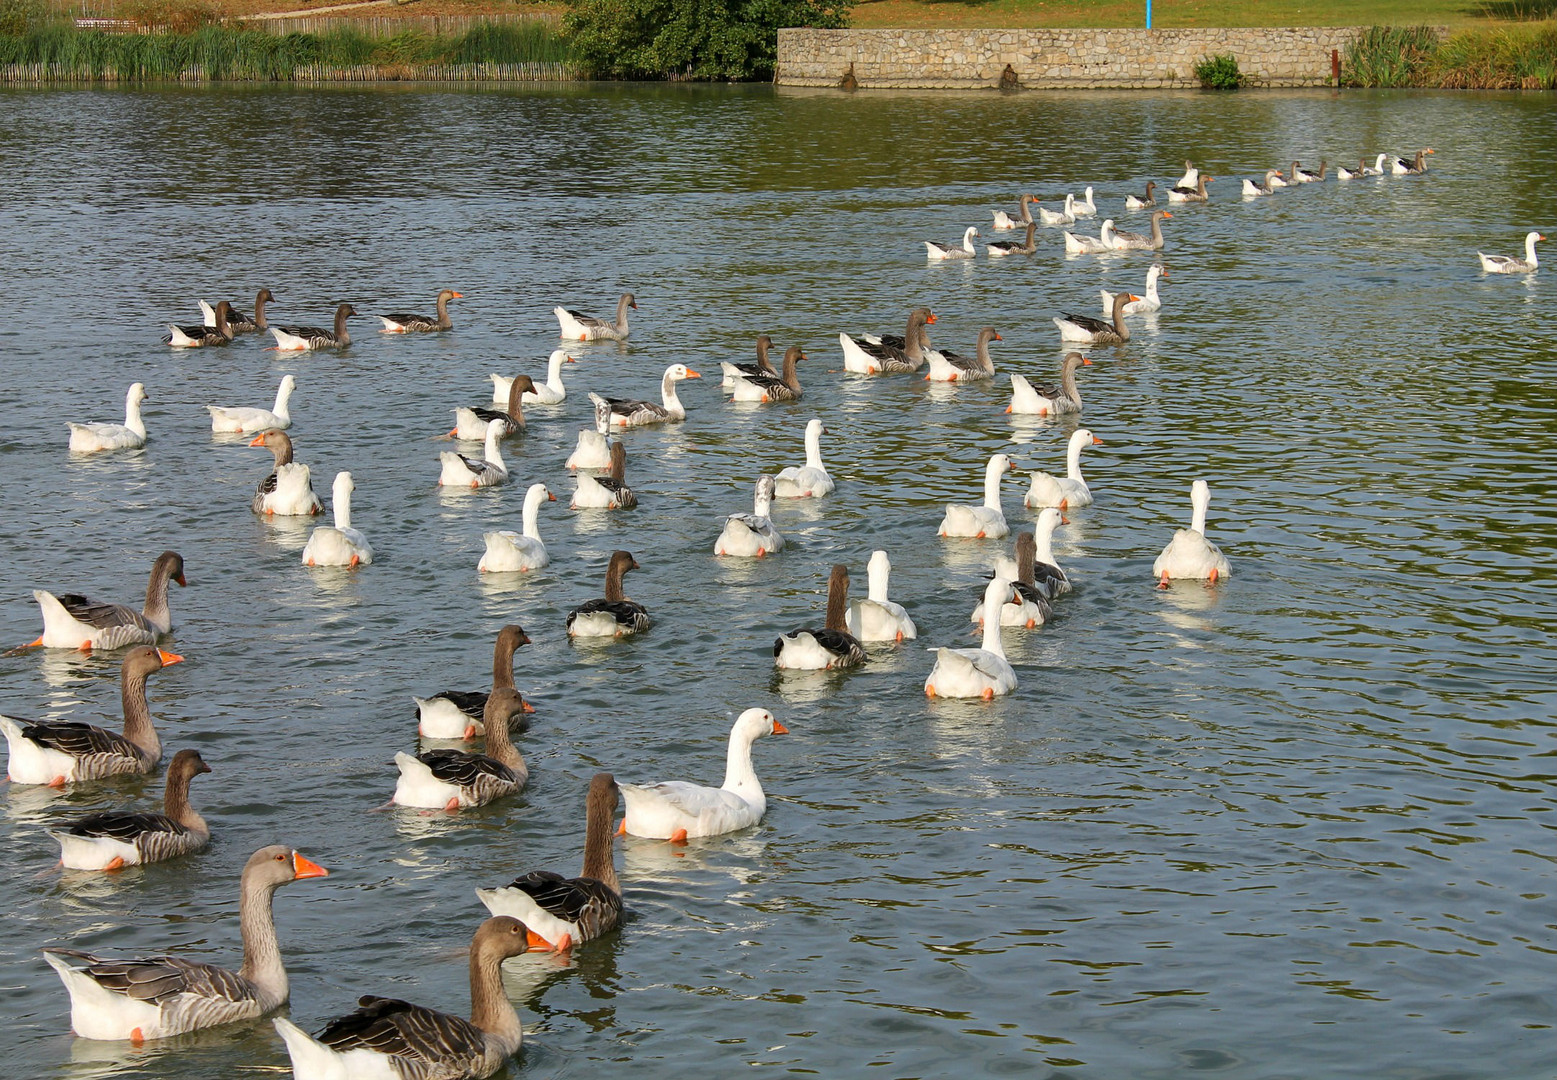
point(1148, 14)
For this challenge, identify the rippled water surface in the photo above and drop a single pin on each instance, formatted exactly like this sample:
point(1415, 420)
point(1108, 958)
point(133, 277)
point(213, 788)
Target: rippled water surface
point(1296, 826)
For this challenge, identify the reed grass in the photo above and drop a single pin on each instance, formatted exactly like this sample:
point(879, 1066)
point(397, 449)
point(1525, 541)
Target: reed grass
point(1519, 56)
point(221, 52)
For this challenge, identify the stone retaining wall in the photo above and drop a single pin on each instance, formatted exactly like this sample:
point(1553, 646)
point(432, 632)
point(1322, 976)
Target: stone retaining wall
point(1053, 59)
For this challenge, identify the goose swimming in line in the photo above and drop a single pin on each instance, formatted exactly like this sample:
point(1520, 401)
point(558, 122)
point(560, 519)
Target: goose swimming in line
point(981, 522)
point(510, 552)
point(1403, 167)
point(810, 480)
point(457, 714)
point(1049, 399)
point(1125, 240)
point(953, 367)
point(887, 354)
point(160, 996)
point(71, 621)
point(832, 646)
point(1136, 202)
point(248, 420)
point(390, 1039)
point(1091, 245)
point(1189, 555)
point(460, 471)
point(877, 618)
point(1048, 577)
point(472, 424)
point(763, 366)
point(1086, 329)
point(402, 323)
point(594, 443)
point(1377, 168)
point(947, 251)
point(1068, 491)
point(1509, 264)
point(1067, 216)
point(1000, 248)
point(1190, 178)
point(1084, 206)
point(607, 490)
point(303, 338)
point(453, 780)
point(560, 912)
point(616, 615)
point(576, 326)
point(1300, 175)
point(57, 752)
point(1004, 222)
point(1252, 190)
point(288, 489)
point(130, 435)
point(752, 535)
point(628, 412)
point(983, 672)
point(1028, 604)
point(198, 337)
point(237, 321)
point(117, 839)
point(765, 388)
point(340, 544)
point(1152, 301)
point(1195, 194)
point(676, 810)
point(1343, 173)
point(551, 392)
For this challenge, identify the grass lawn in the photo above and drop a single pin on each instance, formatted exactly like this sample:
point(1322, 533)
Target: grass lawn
point(1174, 13)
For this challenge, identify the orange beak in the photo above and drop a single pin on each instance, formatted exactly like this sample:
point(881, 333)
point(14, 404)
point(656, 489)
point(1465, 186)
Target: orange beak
point(1209, 179)
point(1166, 214)
point(1134, 297)
point(181, 579)
point(550, 497)
point(779, 729)
point(527, 706)
point(931, 319)
point(692, 374)
point(1096, 441)
point(459, 296)
point(259, 440)
point(1064, 520)
point(999, 338)
point(572, 359)
point(169, 658)
point(305, 868)
point(1086, 361)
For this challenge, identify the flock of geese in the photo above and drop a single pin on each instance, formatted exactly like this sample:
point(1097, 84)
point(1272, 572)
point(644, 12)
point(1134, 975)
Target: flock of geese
point(156, 997)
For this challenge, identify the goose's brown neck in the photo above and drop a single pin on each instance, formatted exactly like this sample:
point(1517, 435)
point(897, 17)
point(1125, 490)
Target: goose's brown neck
point(613, 582)
point(490, 1009)
point(764, 343)
point(1068, 380)
point(262, 965)
point(599, 855)
point(137, 717)
point(790, 378)
point(500, 745)
point(837, 599)
point(156, 607)
point(986, 335)
point(1026, 557)
point(443, 312)
point(281, 450)
point(341, 336)
point(618, 470)
point(175, 800)
point(259, 310)
point(515, 399)
point(508, 643)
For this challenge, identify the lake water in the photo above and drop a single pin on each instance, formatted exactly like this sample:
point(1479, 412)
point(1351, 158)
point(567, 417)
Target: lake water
point(1296, 826)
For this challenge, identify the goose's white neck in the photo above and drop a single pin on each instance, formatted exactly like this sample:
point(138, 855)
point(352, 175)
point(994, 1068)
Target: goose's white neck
point(341, 503)
point(554, 370)
point(1379, 164)
point(739, 776)
point(283, 395)
point(1043, 539)
point(1151, 284)
point(761, 504)
point(1106, 234)
point(1073, 455)
point(1070, 204)
point(532, 511)
point(1086, 199)
point(967, 241)
point(1200, 500)
point(877, 573)
point(994, 598)
point(992, 474)
point(132, 414)
point(668, 393)
point(814, 446)
point(1530, 240)
point(494, 451)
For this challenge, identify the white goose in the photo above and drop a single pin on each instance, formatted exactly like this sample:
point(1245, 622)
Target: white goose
point(550, 392)
point(510, 552)
point(1070, 490)
point(130, 435)
point(876, 618)
point(389, 1039)
point(1189, 555)
point(752, 535)
point(338, 545)
point(832, 646)
point(1066, 216)
point(460, 471)
point(983, 672)
point(1150, 301)
point(1377, 168)
point(1049, 399)
point(986, 521)
point(1190, 178)
point(161, 996)
point(675, 810)
point(594, 444)
point(1084, 206)
point(936, 251)
point(288, 489)
point(1508, 264)
point(1091, 245)
point(627, 412)
point(576, 326)
point(117, 839)
point(248, 421)
point(809, 480)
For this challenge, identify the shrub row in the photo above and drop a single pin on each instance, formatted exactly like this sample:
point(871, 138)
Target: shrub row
point(1515, 57)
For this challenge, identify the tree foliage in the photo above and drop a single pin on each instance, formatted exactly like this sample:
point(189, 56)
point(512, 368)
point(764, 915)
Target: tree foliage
point(689, 39)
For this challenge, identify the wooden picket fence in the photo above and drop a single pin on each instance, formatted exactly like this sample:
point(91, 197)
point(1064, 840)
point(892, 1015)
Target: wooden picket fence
point(17, 74)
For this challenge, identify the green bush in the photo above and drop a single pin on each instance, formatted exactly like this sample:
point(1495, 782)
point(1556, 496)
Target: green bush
point(697, 39)
point(1219, 72)
point(1492, 58)
point(1390, 56)
point(19, 17)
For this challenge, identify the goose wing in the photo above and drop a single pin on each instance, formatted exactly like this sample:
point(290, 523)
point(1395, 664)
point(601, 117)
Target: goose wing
point(157, 978)
point(1089, 324)
point(102, 615)
point(125, 827)
point(626, 612)
point(410, 321)
point(573, 900)
point(586, 320)
point(464, 769)
point(411, 1033)
point(472, 703)
point(79, 740)
point(636, 410)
